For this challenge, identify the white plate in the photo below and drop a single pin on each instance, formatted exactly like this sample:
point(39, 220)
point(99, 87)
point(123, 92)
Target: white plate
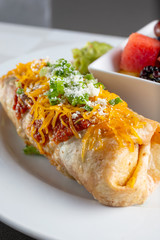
point(41, 202)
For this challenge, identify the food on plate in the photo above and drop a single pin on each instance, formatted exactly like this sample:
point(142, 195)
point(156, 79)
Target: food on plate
point(151, 73)
point(31, 150)
point(141, 56)
point(85, 131)
point(139, 52)
point(89, 53)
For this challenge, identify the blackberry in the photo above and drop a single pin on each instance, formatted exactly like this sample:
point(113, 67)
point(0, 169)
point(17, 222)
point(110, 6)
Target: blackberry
point(151, 73)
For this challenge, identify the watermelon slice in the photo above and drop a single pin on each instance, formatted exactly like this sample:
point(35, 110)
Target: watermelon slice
point(140, 51)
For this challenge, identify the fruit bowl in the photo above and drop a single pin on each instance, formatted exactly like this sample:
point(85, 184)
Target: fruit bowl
point(140, 94)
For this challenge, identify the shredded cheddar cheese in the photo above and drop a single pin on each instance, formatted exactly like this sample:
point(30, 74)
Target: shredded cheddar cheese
point(118, 120)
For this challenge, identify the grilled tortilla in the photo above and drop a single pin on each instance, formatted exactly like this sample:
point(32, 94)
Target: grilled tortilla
point(115, 172)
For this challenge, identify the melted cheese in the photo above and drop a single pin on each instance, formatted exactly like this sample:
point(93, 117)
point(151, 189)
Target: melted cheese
point(118, 120)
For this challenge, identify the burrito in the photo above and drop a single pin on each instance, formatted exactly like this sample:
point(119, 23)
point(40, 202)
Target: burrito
point(87, 133)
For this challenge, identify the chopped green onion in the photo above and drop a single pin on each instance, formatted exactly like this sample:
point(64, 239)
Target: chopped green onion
point(63, 68)
point(54, 100)
point(89, 76)
point(81, 100)
point(57, 86)
point(115, 101)
point(99, 84)
point(88, 108)
point(43, 71)
point(31, 150)
point(56, 91)
point(66, 83)
point(20, 91)
point(49, 64)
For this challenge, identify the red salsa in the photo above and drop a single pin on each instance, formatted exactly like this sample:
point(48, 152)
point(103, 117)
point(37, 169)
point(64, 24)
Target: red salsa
point(59, 133)
point(21, 104)
point(62, 133)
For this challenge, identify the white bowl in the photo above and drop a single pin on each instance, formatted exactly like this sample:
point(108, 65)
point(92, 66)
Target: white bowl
point(143, 96)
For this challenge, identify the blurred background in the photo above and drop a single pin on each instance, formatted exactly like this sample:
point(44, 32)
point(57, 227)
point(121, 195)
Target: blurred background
point(110, 17)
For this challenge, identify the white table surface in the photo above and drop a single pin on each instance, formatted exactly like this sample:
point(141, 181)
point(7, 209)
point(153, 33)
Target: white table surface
point(17, 40)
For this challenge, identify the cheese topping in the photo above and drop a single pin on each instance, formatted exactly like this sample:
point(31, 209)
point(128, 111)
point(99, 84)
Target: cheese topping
point(58, 90)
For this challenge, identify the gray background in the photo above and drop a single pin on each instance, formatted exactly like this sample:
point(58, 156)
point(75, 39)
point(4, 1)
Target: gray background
point(112, 17)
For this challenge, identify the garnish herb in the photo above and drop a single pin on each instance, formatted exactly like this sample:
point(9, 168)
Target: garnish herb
point(68, 85)
point(49, 64)
point(88, 108)
point(98, 84)
point(43, 71)
point(115, 101)
point(20, 91)
point(31, 150)
point(89, 76)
